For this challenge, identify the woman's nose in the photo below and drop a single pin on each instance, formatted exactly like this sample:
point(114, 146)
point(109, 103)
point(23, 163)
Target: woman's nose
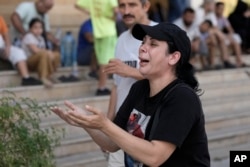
point(143, 48)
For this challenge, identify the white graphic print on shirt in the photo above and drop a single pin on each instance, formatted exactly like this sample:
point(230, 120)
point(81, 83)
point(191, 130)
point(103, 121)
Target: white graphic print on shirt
point(136, 126)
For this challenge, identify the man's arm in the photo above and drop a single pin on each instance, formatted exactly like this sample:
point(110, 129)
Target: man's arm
point(4, 33)
point(78, 7)
point(89, 37)
point(52, 38)
point(17, 23)
point(116, 66)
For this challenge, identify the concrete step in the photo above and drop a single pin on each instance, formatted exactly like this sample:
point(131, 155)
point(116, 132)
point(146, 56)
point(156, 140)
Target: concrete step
point(227, 113)
point(221, 154)
point(58, 92)
point(76, 145)
point(100, 102)
point(227, 119)
point(228, 137)
point(89, 159)
point(81, 89)
point(216, 92)
point(220, 76)
point(11, 78)
point(217, 60)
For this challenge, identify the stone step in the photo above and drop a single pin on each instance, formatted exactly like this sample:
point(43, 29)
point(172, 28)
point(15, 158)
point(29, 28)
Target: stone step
point(228, 137)
point(226, 109)
point(225, 90)
point(83, 88)
point(219, 76)
point(222, 154)
point(89, 159)
point(100, 102)
point(11, 78)
point(60, 91)
point(76, 145)
point(227, 119)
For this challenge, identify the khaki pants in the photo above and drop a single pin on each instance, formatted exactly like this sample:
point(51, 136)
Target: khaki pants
point(45, 63)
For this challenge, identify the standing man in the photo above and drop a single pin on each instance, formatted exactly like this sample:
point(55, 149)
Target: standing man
point(85, 48)
point(126, 63)
point(102, 14)
point(25, 12)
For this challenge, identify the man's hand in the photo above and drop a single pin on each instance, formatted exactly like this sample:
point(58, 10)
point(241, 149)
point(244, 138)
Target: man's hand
point(116, 66)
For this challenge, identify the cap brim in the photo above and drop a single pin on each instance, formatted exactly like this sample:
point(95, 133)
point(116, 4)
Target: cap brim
point(139, 31)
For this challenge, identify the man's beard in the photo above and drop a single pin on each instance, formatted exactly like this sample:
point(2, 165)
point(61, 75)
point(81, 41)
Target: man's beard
point(187, 23)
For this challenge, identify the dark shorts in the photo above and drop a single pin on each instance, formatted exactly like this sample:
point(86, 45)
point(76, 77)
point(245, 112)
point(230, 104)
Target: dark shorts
point(84, 55)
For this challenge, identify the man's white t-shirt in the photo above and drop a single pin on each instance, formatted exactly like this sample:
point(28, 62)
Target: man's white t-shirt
point(201, 16)
point(27, 11)
point(127, 50)
point(192, 31)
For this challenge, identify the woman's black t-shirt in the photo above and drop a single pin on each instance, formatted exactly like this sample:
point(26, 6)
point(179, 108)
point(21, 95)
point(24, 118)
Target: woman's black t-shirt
point(181, 122)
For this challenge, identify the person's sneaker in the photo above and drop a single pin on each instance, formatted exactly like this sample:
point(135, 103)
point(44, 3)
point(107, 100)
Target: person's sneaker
point(30, 81)
point(227, 64)
point(63, 78)
point(93, 74)
point(103, 92)
point(70, 78)
point(73, 78)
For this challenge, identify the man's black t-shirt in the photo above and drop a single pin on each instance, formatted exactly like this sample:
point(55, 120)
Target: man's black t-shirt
point(181, 122)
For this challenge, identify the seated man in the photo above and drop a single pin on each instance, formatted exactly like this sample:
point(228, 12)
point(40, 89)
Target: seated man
point(187, 23)
point(240, 19)
point(85, 48)
point(25, 12)
point(231, 37)
point(15, 55)
point(205, 13)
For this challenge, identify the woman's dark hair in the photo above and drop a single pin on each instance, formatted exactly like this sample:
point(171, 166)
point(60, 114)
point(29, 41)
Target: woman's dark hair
point(34, 21)
point(184, 70)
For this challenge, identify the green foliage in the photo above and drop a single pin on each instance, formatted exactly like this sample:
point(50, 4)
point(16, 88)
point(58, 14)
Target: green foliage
point(23, 143)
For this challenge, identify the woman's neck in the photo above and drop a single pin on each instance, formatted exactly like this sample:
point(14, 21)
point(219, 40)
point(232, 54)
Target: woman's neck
point(156, 85)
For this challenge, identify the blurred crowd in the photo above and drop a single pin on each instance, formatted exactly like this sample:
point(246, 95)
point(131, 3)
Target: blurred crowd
point(214, 24)
point(216, 27)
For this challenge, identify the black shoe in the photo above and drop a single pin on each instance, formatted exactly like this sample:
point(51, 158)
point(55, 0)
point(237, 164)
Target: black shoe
point(93, 74)
point(103, 92)
point(30, 81)
point(71, 78)
point(63, 78)
point(227, 64)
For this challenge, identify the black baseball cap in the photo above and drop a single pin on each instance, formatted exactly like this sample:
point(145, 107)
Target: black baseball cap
point(168, 32)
